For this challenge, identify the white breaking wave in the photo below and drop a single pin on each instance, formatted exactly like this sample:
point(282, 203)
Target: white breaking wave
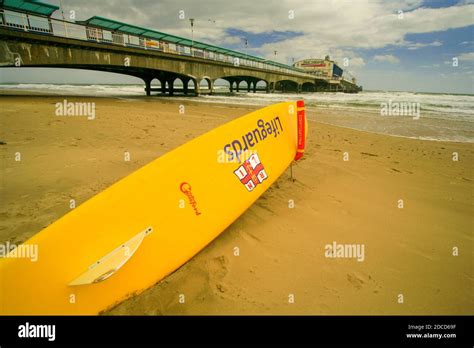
point(87, 90)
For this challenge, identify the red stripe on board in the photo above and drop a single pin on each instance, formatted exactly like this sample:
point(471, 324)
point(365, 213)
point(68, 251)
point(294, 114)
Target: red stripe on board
point(300, 114)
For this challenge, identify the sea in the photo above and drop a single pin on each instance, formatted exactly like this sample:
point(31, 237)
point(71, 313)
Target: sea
point(426, 116)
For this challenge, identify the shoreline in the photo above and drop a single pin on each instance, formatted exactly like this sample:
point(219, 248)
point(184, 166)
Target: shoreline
point(341, 116)
point(407, 251)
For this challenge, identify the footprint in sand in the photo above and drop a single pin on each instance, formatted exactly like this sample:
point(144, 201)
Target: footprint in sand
point(250, 238)
point(369, 154)
point(218, 266)
point(336, 200)
point(355, 281)
point(263, 206)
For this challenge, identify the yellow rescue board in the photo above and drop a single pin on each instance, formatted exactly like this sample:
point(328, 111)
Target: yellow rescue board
point(142, 228)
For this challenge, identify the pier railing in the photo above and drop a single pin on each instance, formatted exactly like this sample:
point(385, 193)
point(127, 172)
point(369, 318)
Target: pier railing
point(56, 27)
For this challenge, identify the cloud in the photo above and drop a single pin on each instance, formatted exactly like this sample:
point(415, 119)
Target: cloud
point(466, 56)
point(366, 24)
point(429, 66)
point(415, 46)
point(356, 62)
point(232, 40)
point(389, 58)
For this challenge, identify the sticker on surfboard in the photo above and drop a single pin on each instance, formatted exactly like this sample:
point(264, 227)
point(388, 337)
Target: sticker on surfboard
point(251, 172)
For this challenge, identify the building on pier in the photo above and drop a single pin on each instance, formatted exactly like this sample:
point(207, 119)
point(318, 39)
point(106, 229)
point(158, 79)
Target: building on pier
point(330, 75)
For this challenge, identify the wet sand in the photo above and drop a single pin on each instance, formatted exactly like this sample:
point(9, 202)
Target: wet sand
point(408, 250)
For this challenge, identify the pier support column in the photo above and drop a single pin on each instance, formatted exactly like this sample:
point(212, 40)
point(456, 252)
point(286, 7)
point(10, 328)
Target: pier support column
point(272, 87)
point(197, 89)
point(148, 86)
point(171, 86)
point(249, 83)
point(185, 85)
point(163, 86)
point(211, 87)
point(255, 86)
point(238, 85)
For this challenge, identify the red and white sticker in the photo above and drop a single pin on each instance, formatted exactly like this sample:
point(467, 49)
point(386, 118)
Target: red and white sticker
point(251, 172)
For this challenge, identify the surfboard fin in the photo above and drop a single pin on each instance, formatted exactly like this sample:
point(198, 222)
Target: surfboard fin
point(112, 262)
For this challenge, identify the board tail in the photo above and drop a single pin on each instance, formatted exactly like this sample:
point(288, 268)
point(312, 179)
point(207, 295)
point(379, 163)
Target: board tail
point(301, 130)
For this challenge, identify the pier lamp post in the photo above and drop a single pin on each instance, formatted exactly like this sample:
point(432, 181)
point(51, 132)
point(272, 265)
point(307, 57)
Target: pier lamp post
point(64, 18)
point(191, 20)
point(246, 47)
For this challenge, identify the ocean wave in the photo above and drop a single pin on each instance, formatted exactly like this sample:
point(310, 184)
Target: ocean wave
point(454, 113)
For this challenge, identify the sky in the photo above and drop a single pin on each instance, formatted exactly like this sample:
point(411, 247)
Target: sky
point(398, 45)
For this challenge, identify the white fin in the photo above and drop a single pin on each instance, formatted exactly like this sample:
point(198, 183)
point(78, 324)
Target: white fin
point(112, 262)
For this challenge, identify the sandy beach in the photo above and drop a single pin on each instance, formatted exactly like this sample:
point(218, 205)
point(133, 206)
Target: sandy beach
point(282, 267)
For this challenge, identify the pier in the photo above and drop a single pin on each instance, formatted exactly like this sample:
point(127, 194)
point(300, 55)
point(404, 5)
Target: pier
point(30, 37)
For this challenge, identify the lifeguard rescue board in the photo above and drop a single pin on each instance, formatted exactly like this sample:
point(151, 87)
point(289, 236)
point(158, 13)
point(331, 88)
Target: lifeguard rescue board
point(136, 232)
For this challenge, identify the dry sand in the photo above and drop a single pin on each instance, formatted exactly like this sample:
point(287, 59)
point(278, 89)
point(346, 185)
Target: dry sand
point(408, 251)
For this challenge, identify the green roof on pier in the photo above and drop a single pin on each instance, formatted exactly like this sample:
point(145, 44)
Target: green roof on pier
point(29, 6)
point(113, 25)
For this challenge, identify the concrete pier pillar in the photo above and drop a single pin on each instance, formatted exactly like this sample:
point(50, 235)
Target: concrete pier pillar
point(249, 83)
point(163, 86)
point(211, 87)
point(171, 86)
point(185, 85)
point(272, 87)
point(197, 89)
point(255, 86)
point(148, 87)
